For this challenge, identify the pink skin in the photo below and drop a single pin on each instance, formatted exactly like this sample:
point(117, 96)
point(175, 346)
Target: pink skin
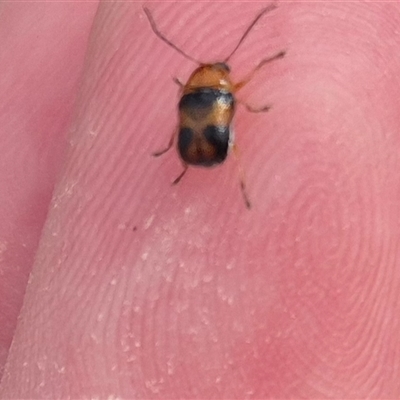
point(143, 290)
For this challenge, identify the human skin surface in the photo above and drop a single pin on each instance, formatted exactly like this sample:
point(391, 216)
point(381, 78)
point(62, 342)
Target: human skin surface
point(140, 289)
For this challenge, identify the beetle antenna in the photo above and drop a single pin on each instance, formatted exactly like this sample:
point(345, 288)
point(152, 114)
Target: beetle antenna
point(164, 39)
point(264, 11)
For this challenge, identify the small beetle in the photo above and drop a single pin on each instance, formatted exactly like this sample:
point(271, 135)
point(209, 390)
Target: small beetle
point(207, 106)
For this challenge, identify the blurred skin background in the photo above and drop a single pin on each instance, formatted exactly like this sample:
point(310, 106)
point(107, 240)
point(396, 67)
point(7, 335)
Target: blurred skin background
point(115, 284)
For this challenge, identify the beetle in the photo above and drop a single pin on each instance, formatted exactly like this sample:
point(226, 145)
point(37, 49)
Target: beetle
point(207, 106)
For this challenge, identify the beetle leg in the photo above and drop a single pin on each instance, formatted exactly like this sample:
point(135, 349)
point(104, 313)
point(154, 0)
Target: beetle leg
point(242, 180)
point(255, 109)
point(249, 77)
point(178, 82)
point(170, 143)
point(185, 168)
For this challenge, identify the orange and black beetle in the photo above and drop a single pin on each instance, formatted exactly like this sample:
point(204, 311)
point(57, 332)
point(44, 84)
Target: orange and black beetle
point(207, 106)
